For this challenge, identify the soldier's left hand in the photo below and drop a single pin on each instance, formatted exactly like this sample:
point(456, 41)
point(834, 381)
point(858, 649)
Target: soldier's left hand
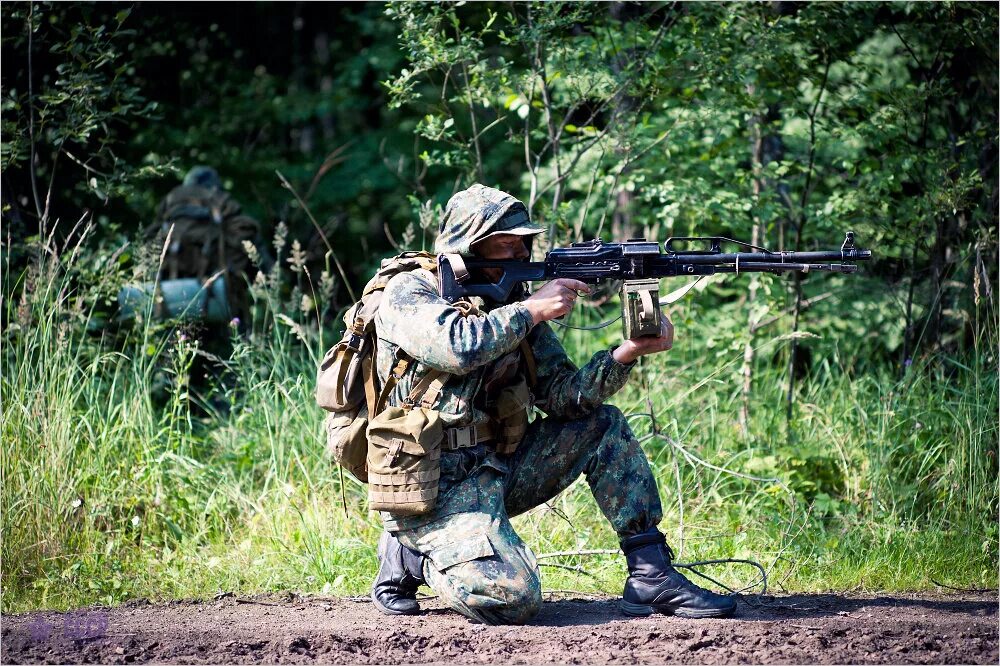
point(633, 348)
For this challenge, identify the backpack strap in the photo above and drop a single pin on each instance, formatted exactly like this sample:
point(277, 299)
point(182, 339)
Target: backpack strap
point(404, 263)
point(220, 221)
point(430, 386)
point(403, 361)
point(426, 391)
point(371, 396)
point(340, 367)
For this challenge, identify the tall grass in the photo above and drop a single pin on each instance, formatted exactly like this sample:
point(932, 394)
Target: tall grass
point(108, 495)
point(880, 481)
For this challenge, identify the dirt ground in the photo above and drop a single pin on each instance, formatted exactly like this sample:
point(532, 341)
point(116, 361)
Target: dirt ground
point(802, 629)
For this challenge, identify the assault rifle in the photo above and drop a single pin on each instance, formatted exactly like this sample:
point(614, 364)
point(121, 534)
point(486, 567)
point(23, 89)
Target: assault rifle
point(639, 264)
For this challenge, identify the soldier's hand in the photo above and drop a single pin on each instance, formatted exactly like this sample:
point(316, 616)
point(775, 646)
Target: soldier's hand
point(632, 349)
point(554, 299)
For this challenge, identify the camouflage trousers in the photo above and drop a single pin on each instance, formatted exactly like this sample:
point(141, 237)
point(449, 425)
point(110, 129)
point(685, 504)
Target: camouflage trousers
point(475, 561)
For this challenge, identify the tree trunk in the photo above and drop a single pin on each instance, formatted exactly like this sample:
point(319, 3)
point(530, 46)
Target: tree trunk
point(756, 238)
point(803, 200)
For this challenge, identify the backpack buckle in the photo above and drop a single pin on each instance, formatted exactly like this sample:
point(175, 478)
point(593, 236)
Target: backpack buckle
point(356, 342)
point(395, 448)
point(459, 438)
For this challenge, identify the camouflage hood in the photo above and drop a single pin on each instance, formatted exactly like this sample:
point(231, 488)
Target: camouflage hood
point(475, 213)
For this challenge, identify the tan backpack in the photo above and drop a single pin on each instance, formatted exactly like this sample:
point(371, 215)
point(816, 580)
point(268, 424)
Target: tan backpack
point(340, 383)
point(395, 450)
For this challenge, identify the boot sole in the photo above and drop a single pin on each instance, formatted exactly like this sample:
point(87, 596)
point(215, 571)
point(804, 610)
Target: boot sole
point(643, 610)
point(389, 611)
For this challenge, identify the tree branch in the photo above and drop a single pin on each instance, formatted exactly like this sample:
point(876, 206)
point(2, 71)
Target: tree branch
point(31, 114)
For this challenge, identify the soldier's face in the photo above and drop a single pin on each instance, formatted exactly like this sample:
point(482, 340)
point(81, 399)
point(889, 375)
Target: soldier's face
point(500, 247)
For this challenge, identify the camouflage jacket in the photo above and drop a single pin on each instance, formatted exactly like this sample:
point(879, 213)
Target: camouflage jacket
point(434, 332)
point(414, 317)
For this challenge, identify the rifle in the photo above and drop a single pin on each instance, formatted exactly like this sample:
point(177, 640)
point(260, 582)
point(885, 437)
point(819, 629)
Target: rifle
point(640, 264)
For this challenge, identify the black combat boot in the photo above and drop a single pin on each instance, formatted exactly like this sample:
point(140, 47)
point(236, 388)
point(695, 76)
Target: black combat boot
point(400, 573)
point(654, 584)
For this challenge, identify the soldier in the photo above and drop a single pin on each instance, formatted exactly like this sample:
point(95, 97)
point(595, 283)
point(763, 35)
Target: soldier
point(207, 238)
point(465, 548)
point(205, 272)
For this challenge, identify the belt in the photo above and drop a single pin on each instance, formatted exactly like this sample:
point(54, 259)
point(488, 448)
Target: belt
point(467, 436)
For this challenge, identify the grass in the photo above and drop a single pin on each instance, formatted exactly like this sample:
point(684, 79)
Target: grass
point(123, 479)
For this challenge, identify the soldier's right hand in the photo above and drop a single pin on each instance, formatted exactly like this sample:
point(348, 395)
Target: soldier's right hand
point(554, 299)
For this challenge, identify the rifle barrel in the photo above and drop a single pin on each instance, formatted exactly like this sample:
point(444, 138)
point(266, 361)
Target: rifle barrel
point(773, 266)
point(716, 258)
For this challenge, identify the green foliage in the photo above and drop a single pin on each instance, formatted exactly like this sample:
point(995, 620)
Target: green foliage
point(651, 129)
point(78, 109)
point(121, 483)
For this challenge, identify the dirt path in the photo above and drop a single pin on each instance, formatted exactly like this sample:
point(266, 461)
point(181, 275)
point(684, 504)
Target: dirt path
point(941, 629)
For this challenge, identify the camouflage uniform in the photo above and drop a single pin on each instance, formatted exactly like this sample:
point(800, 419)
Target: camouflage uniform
point(475, 560)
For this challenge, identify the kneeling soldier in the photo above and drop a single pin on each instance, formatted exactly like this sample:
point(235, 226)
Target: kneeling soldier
point(493, 466)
